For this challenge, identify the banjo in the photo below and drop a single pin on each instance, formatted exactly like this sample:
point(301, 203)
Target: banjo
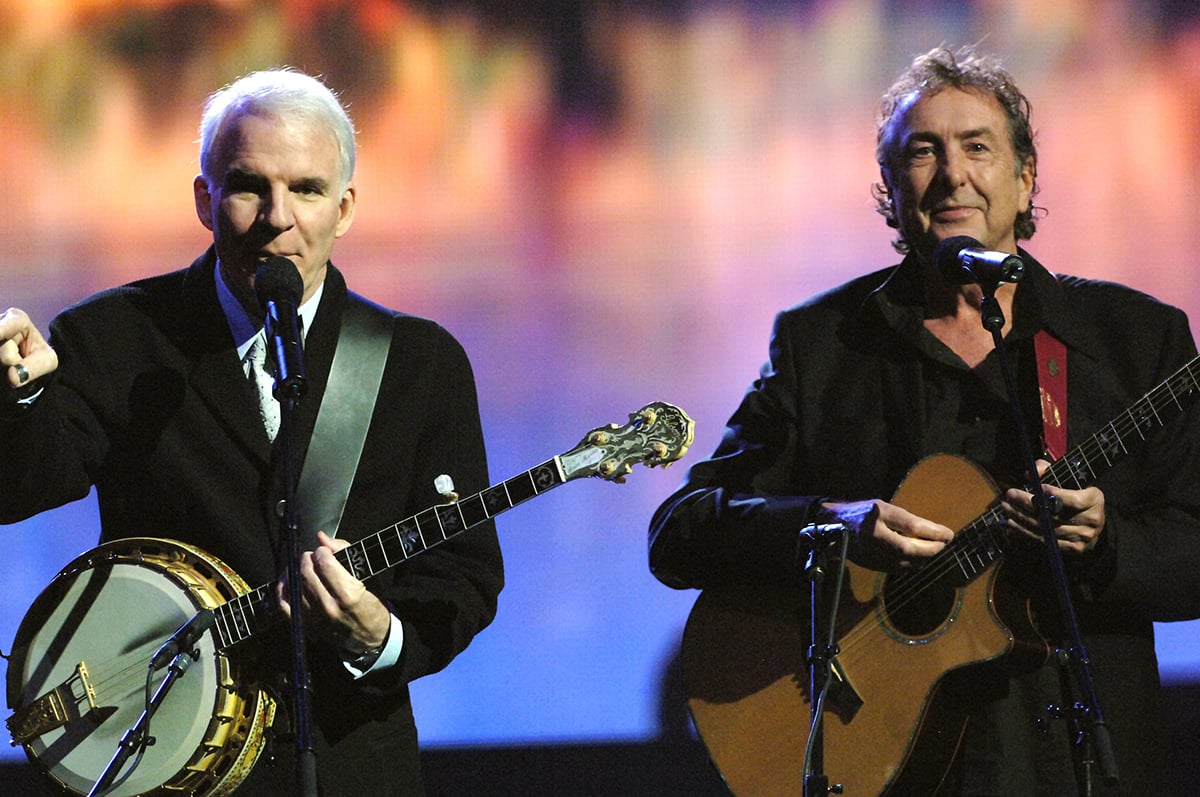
point(77, 678)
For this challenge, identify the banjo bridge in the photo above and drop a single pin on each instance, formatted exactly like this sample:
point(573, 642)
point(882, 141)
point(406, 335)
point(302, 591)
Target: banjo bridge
point(55, 708)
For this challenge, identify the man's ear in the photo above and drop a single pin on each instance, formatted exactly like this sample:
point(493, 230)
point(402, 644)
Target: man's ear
point(886, 197)
point(885, 182)
point(1027, 176)
point(346, 210)
point(203, 200)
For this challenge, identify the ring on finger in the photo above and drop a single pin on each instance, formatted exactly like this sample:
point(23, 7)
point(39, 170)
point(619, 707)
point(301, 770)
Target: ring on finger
point(22, 373)
point(1058, 510)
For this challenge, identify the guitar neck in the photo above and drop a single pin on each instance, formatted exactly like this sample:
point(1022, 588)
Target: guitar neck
point(247, 614)
point(1080, 466)
point(981, 542)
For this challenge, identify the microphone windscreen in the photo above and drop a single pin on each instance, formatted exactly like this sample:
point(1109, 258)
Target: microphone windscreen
point(278, 280)
point(945, 256)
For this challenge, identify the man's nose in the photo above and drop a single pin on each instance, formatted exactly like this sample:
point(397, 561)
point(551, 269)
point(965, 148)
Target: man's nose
point(277, 209)
point(954, 168)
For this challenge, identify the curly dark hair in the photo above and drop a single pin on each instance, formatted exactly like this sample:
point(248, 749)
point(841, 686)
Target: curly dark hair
point(928, 74)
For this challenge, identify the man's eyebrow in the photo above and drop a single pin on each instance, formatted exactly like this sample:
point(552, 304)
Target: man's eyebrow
point(235, 174)
point(929, 135)
point(921, 135)
point(238, 176)
point(976, 132)
point(316, 183)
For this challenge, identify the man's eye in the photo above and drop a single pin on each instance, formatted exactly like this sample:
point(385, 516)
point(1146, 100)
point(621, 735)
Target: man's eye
point(241, 186)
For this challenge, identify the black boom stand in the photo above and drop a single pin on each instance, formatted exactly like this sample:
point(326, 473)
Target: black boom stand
point(306, 756)
point(1093, 735)
point(279, 289)
point(822, 648)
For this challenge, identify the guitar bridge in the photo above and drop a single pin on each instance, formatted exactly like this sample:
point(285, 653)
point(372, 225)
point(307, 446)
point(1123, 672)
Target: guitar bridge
point(54, 709)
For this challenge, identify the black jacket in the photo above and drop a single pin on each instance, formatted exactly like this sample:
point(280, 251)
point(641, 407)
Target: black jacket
point(150, 405)
point(839, 414)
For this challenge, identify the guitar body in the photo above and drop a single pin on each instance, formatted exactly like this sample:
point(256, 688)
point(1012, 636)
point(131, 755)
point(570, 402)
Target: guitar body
point(890, 725)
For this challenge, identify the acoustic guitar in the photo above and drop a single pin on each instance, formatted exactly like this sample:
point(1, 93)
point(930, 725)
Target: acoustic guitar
point(892, 722)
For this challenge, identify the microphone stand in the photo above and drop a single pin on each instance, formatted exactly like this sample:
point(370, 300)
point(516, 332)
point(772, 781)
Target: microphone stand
point(1093, 731)
point(306, 756)
point(135, 736)
point(282, 329)
point(821, 651)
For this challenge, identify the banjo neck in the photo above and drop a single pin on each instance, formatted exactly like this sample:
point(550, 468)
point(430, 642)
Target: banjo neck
point(256, 611)
point(658, 434)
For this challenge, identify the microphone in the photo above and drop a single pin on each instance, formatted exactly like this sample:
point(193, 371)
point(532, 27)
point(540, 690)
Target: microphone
point(963, 260)
point(278, 286)
point(183, 638)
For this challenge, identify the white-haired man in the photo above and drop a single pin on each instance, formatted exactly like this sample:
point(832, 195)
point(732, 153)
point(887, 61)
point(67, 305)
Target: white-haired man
point(141, 392)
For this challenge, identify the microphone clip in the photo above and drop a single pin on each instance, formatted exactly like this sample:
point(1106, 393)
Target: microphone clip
point(815, 540)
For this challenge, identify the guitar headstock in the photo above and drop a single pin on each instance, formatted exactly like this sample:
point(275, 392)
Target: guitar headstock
point(657, 434)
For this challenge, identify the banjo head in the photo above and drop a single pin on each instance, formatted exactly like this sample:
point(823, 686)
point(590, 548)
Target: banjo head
point(78, 674)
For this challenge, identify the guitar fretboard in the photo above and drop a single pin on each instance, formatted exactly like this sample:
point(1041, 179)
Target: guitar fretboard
point(248, 614)
point(979, 544)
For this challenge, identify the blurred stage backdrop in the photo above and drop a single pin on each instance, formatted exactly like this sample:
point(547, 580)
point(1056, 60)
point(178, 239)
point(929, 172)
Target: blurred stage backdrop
point(606, 202)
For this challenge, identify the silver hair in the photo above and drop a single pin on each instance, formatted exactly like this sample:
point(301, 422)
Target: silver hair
point(278, 92)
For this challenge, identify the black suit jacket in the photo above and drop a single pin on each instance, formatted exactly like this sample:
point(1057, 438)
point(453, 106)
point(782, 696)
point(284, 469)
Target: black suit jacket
point(151, 405)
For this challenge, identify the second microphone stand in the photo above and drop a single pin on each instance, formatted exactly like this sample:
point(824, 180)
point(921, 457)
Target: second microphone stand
point(1093, 729)
point(821, 539)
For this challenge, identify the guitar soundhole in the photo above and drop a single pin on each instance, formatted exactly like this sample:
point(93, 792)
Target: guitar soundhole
point(914, 606)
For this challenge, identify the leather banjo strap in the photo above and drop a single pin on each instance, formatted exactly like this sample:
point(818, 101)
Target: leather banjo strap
point(343, 417)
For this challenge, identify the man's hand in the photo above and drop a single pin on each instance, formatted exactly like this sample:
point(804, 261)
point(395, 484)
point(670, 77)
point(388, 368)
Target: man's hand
point(1078, 514)
point(335, 602)
point(885, 537)
point(25, 355)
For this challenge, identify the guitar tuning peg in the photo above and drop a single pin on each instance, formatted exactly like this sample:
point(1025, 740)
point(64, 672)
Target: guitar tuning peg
point(608, 469)
point(648, 415)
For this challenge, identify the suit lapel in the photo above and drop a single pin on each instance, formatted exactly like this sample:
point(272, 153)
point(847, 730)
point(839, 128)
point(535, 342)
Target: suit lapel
point(889, 320)
point(217, 375)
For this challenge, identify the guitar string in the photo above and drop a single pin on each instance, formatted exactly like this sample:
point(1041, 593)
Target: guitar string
point(113, 681)
point(1149, 408)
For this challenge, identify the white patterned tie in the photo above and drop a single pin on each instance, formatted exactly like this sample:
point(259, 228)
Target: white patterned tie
point(260, 376)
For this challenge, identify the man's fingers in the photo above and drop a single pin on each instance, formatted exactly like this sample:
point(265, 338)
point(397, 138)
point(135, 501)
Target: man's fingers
point(23, 351)
point(25, 370)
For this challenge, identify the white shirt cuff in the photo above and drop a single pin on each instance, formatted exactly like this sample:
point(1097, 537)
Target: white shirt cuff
point(390, 654)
